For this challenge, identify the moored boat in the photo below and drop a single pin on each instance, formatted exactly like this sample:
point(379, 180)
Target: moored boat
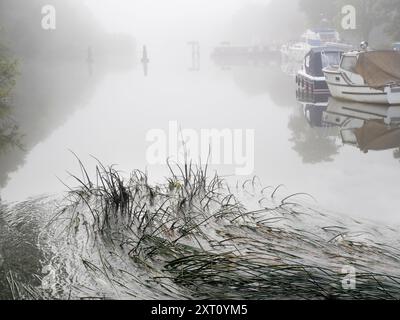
point(311, 77)
point(366, 76)
point(292, 54)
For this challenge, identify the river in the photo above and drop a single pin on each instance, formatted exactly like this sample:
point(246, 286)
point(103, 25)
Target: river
point(107, 112)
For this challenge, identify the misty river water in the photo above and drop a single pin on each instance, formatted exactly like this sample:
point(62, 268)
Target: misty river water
point(105, 111)
point(112, 76)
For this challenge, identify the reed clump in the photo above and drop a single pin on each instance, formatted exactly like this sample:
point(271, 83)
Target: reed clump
point(191, 237)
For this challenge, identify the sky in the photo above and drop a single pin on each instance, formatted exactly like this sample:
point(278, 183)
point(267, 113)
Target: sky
point(195, 19)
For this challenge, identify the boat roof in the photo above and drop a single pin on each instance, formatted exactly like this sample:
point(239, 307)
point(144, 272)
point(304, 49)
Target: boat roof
point(379, 68)
point(329, 49)
point(322, 30)
point(358, 52)
point(352, 53)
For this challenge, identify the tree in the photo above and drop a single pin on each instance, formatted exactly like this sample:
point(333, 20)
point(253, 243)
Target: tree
point(370, 15)
point(393, 14)
point(8, 128)
point(319, 11)
point(7, 76)
point(275, 21)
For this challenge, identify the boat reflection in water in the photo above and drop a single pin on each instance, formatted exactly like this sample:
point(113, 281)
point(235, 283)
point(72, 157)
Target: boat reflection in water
point(314, 106)
point(366, 126)
point(313, 139)
point(331, 122)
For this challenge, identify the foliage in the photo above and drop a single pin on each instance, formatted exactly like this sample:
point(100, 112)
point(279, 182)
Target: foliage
point(8, 128)
point(192, 238)
point(8, 71)
point(370, 14)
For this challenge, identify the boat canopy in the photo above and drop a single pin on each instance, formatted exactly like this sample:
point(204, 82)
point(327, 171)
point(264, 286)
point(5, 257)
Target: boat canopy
point(375, 135)
point(321, 57)
point(379, 68)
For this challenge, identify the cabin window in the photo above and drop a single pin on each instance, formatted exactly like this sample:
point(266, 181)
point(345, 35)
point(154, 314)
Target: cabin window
point(349, 136)
point(349, 63)
point(307, 62)
point(330, 59)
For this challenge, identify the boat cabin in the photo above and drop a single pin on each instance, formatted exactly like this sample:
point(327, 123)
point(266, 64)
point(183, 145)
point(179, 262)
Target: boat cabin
point(319, 36)
point(348, 65)
point(320, 58)
point(311, 77)
point(366, 76)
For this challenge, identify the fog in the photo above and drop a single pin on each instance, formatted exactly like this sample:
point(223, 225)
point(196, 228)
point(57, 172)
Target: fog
point(175, 19)
point(171, 23)
point(83, 87)
point(142, 140)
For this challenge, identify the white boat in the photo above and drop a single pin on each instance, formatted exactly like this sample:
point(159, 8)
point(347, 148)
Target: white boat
point(366, 76)
point(396, 46)
point(370, 135)
point(310, 77)
point(292, 54)
point(339, 112)
point(366, 126)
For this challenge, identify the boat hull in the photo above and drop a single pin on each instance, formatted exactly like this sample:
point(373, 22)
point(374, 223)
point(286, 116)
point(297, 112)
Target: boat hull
point(339, 111)
point(341, 88)
point(311, 84)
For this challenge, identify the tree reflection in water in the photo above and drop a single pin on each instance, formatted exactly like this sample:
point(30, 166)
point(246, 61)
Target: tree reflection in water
point(313, 144)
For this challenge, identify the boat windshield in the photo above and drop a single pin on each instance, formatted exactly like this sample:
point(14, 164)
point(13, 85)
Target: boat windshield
point(349, 63)
point(330, 58)
point(348, 136)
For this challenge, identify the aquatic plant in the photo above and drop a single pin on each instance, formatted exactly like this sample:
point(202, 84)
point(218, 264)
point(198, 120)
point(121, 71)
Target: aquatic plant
point(196, 237)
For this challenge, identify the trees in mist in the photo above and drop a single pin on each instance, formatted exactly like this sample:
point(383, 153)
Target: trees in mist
point(284, 20)
point(76, 30)
point(266, 23)
point(312, 144)
point(8, 128)
point(7, 73)
point(393, 12)
point(54, 78)
point(382, 15)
